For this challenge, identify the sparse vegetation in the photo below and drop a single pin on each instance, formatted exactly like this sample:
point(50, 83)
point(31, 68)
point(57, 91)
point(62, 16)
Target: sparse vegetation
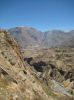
point(32, 77)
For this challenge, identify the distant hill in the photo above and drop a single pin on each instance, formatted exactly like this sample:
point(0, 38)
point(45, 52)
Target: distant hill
point(30, 37)
point(59, 38)
point(27, 36)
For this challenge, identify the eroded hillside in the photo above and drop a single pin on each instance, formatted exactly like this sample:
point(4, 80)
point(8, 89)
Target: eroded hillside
point(20, 81)
point(29, 37)
point(16, 81)
point(54, 66)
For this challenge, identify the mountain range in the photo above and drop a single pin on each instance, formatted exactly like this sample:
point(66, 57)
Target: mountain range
point(31, 37)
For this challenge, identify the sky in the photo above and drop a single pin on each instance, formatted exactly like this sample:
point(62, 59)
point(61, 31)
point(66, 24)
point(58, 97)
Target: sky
point(40, 14)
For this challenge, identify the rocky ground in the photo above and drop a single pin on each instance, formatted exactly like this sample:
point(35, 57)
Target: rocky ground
point(16, 81)
point(55, 66)
point(41, 74)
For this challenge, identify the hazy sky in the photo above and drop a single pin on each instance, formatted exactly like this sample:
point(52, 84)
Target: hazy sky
point(41, 14)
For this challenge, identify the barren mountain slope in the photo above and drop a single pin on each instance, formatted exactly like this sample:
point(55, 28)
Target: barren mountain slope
point(16, 81)
point(30, 37)
point(19, 81)
point(27, 36)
